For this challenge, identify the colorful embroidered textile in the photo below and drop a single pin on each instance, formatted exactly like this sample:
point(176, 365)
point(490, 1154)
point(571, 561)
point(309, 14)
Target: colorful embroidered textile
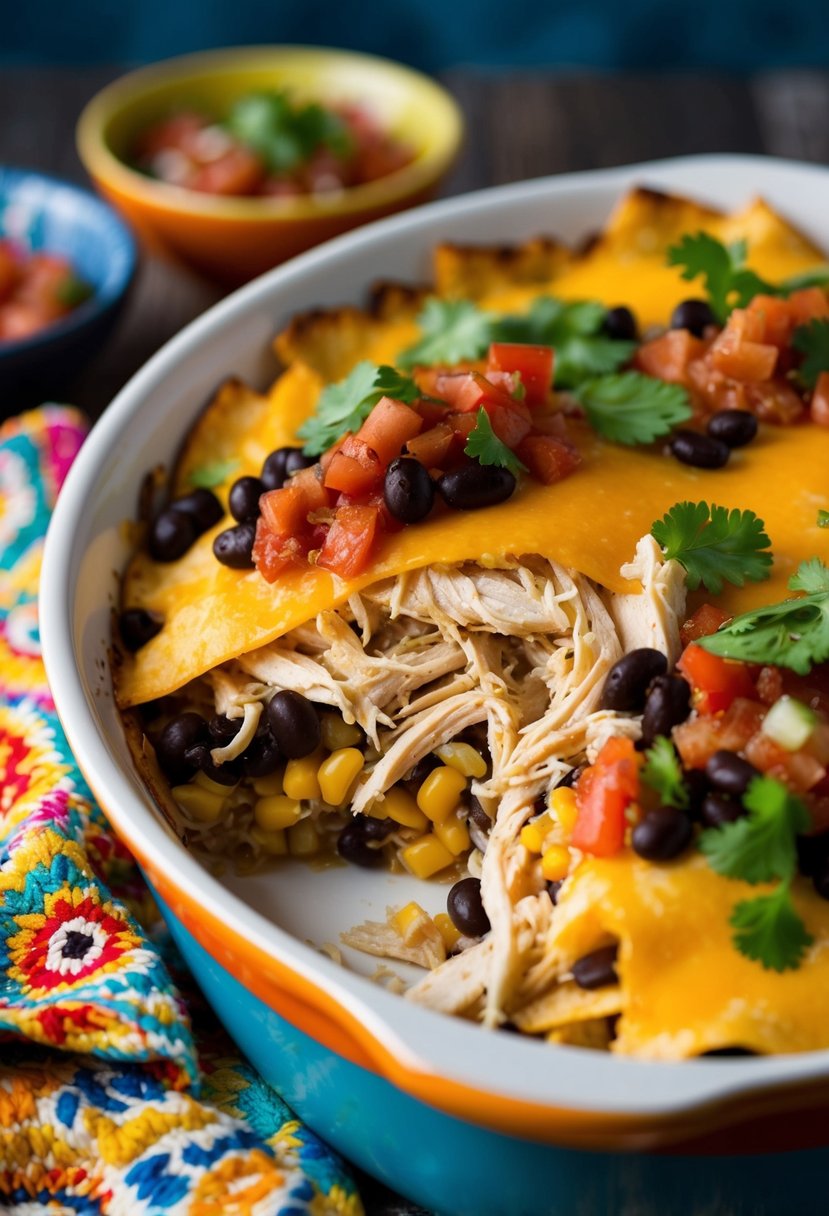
point(134, 1116)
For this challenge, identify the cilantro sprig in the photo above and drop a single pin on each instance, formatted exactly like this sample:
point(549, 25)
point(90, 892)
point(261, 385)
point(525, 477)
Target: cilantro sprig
point(208, 476)
point(728, 282)
point(812, 341)
point(485, 446)
point(574, 329)
point(761, 847)
point(345, 406)
point(793, 633)
point(715, 545)
point(632, 408)
point(662, 771)
point(285, 133)
point(451, 332)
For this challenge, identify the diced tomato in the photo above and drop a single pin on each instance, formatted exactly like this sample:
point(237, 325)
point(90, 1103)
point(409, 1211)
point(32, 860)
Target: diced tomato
point(239, 171)
point(466, 392)
point(461, 424)
point(310, 482)
point(285, 511)
point(737, 353)
point(667, 357)
point(548, 459)
point(10, 269)
point(432, 412)
point(705, 621)
point(716, 682)
point(272, 554)
point(350, 540)
point(388, 427)
point(509, 422)
point(534, 364)
point(780, 317)
point(770, 685)
point(811, 689)
point(775, 401)
point(354, 470)
point(698, 738)
point(431, 447)
point(18, 321)
point(603, 794)
point(178, 132)
point(44, 278)
point(819, 406)
point(799, 770)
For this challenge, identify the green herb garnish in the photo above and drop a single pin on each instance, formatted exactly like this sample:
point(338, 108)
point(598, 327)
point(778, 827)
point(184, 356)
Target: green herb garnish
point(485, 446)
point(631, 408)
point(823, 518)
point(574, 330)
point(812, 341)
point(728, 281)
point(715, 545)
point(793, 634)
point(286, 134)
point(451, 332)
point(74, 291)
point(208, 476)
point(345, 406)
point(762, 847)
point(663, 773)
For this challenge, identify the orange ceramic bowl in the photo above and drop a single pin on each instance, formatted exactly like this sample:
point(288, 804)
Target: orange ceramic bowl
point(236, 238)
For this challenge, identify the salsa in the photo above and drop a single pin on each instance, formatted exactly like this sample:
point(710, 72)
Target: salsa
point(270, 146)
point(36, 290)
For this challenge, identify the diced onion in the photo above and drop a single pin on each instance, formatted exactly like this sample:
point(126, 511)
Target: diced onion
point(789, 723)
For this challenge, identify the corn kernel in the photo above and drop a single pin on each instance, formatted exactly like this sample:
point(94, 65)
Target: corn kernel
point(303, 838)
point(555, 864)
point(266, 787)
point(277, 812)
point(425, 856)
point(215, 787)
point(400, 806)
point(451, 936)
point(563, 805)
point(300, 777)
point(534, 834)
point(337, 774)
point(463, 757)
point(200, 804)
point(454, 833)
point(409, 922)
point(274, 843)
point(337, 734)
point(440, 793)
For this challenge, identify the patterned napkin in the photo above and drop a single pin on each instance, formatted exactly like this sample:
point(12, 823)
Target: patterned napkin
point(145, 1107)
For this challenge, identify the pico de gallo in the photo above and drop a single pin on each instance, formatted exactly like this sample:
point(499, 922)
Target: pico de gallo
point(270, 145)
point(36, 291)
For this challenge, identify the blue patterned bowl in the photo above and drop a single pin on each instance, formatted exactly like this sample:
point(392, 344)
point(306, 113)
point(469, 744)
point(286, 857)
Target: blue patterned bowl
point(44, 213)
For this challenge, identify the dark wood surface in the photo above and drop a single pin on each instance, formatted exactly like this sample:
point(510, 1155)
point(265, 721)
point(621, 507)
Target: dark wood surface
point(519, 126)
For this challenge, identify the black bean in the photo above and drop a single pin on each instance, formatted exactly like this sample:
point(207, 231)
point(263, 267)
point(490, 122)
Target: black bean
point(466, 908)
point(477, 814)
point(730, 773)
point(234, 546)
point(279, 466)
point(353, 841)
point(171, 535)
point(696, 783)
point(734, 427)
point(262, 755)
point(294, 723)
point(408, 490)
point(178, 736)
point(223, 730)
point(553, 889)
point(668, 703)
point(476, 485)
point(627, 682)
point(202, 506)
point(243, 500)
point(570, 779)
point(620, 324)
point(718, 809)
point(597, 969)
point(701, 451)
point(199, 757)
point(137, 627)
point(662, 834)
point(694, 315)
point(813, 854)
point(820, 880)
point(425, 765)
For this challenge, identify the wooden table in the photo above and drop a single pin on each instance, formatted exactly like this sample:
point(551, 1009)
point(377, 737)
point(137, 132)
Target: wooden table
point(519, 126)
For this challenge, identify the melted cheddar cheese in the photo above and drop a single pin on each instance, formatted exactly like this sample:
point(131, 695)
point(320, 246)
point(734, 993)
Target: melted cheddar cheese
point(589, 522)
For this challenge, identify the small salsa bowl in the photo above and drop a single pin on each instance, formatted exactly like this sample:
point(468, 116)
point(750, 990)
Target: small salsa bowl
point(235, 238)
point(44, 214)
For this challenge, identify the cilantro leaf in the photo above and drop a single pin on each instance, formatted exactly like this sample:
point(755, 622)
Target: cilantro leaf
point(818, 276)
point(74, 291)
point(452, 331)
point(663, 773)
point(813, 342)
point(714, 545)
point(485, 446)
point(574, 330)
point(631, 408)
point(283, 133)
point(769, 930)
point(823, 518)
point(760, 846)
point(207, 476)
point(345, 406)
point(728, 281)
point(793, 634)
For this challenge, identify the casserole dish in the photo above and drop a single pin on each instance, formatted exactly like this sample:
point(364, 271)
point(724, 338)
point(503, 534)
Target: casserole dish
point(331, 1041)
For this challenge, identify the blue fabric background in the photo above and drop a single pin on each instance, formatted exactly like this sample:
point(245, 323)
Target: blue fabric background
point(433, 34)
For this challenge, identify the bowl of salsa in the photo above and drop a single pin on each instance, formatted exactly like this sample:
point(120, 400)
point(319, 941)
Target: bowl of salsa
point(236, 160)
